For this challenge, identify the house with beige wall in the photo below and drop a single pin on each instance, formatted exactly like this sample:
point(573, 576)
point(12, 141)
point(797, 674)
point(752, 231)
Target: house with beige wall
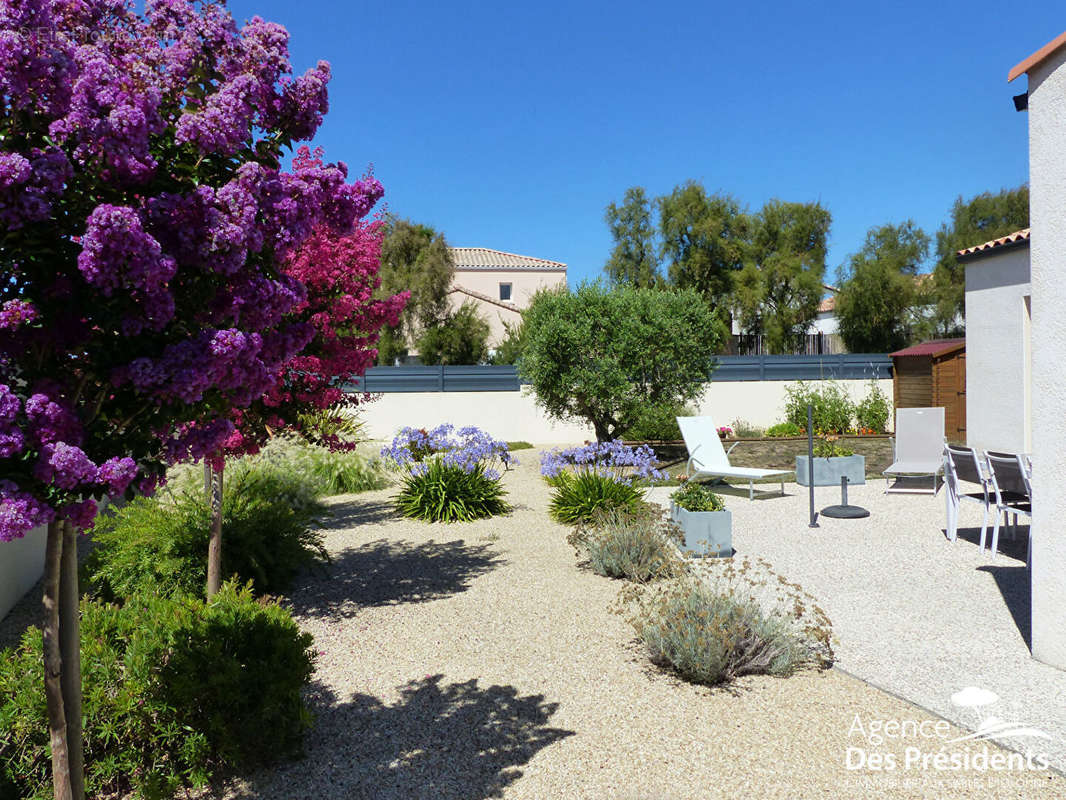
point(500, 284)
point(998, 344)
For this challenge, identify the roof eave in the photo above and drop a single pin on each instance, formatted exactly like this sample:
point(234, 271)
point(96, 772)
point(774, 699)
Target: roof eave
point(965, 258)
point(1036, 58)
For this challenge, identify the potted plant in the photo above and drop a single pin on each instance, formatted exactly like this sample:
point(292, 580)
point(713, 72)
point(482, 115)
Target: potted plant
point(704, 520)
point(832, 462)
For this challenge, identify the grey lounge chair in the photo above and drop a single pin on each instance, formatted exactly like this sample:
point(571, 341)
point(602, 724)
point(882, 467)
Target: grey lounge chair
point(1013, 492)
point(707, 457)
point(965, 465)
point(919, 452)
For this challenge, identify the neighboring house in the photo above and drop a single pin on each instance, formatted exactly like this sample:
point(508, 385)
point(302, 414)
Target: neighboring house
point(500, 284)
point(826, 319)
point(998, 344)
point(1045, 101)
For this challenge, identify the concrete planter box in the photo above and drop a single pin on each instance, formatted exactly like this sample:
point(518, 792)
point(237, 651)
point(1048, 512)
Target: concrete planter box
point(829, 471)
point(707, 533)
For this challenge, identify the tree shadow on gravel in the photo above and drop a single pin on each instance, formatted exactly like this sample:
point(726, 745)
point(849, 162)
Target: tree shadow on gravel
point(359, 512)
point(439, 740)
point(388, 572)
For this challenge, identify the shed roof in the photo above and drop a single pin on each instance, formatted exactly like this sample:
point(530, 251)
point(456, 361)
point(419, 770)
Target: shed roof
point(934, 347)
point(482, 258)
point(1038, 57)
point(1016, 238)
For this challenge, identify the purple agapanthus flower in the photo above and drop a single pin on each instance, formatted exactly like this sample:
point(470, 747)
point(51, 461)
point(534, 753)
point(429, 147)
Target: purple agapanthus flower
point(620, 462)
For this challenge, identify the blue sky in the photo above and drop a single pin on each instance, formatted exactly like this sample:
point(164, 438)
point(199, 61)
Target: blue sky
point(511, 126)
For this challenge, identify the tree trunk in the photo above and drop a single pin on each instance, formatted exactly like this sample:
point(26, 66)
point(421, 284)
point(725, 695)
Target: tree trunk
point(70, 657)
point(53, 664)
point(214, 547)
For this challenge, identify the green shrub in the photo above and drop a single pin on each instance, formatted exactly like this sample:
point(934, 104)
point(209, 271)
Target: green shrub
point(783, 429)
point(577, 497)
point(634, 545)
point(159, 545)
point(711, 636)
point(873, 410)
point(174, 690)
point(657, 422)
point(512, 446)
point(833, 409)
point(448, 493)
point(694, 496)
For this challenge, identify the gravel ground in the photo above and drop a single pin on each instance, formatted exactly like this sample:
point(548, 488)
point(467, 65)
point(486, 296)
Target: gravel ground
point(479, 660)
point(915, 614)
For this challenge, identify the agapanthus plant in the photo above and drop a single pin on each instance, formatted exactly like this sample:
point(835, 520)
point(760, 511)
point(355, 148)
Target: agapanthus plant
point(620, 462)
point(449, 475)
point(598, 477)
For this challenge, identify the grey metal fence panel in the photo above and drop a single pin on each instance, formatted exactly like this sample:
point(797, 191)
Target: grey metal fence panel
point(849, 366)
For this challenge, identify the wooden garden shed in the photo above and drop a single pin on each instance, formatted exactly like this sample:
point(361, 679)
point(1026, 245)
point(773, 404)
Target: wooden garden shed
point(933, 374)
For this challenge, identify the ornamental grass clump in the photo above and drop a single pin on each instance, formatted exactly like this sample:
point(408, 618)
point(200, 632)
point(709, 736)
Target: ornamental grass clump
point(597, 477)
point(449, 475)
point(737, 620)
point(634, 545)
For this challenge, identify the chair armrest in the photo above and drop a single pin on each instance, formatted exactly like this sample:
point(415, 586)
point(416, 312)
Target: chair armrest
point(730, 450)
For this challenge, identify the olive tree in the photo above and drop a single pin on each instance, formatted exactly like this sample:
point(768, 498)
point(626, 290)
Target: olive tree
point(603, 355)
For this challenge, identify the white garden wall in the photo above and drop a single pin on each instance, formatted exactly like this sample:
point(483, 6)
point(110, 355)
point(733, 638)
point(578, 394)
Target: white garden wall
point(514, 416)
point(21, 566)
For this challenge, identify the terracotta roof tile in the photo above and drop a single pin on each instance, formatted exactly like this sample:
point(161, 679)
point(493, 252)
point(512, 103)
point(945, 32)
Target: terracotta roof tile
point(1036, 58)
point(1011, 238)
point(482, 258)
point(829, 304)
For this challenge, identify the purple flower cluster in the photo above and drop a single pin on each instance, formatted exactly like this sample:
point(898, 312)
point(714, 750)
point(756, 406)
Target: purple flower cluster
point(145, 218)
point(464, 449)
point(16, 313)
point(620, 462)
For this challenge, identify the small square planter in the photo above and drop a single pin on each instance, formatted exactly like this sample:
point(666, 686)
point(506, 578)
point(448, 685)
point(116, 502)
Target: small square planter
point(829, 471)
point(707, 533)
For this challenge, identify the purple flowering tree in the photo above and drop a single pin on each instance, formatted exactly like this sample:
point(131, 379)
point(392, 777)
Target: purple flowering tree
point(144, 219)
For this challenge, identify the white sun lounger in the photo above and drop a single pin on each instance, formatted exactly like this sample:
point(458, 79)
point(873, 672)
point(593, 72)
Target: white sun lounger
point(707, 457)
point(919, 452)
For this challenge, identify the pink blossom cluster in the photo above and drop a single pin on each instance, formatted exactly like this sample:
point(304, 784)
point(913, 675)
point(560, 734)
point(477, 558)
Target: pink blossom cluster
point(146, 221)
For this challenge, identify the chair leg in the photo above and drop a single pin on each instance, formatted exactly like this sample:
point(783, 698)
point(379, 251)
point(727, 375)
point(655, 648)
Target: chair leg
point(751, 490)
point(995, 534)
point(984, 526)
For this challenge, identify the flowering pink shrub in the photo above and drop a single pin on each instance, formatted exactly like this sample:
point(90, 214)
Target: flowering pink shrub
point(145, 227)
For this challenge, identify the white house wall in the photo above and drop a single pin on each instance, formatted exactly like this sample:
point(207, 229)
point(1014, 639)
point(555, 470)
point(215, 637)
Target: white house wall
point(997, 413)
point(1047, 216)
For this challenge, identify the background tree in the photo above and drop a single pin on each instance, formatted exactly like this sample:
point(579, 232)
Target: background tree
point(778, 291)
point(704, 242)
point(414, 258)
point(605, 355)
point(634, 261)
point(510, 350)
point(979, 219)
point(877, 305)
point(462, 338)
point(144, 217)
